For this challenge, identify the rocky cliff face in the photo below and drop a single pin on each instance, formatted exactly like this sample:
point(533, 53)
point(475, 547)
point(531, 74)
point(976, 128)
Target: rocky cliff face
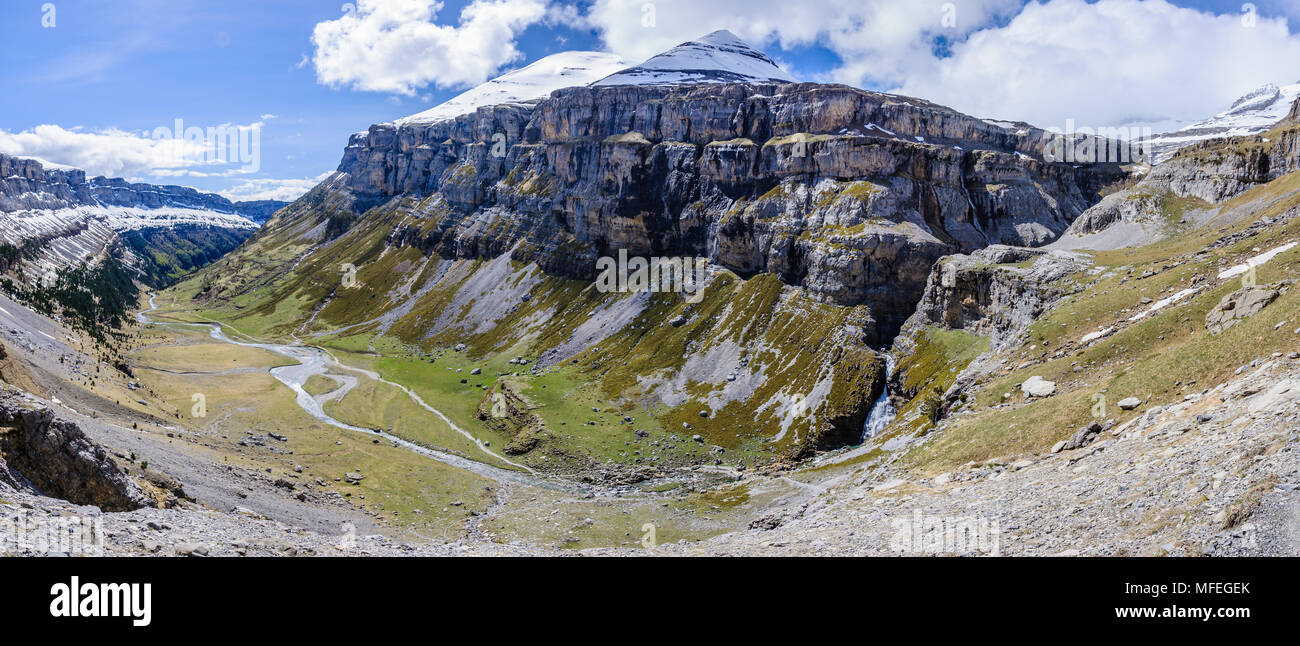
point(42, 453)
point(25, 184)
point(1210, 171)
point(259, 211)
point(55, 218)
point(996, 292)
point(851, 195)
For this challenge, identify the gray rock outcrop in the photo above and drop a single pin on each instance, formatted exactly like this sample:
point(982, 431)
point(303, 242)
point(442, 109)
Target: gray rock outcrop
point(43, 453)
point(995, 292)
point(1239, 305)
point(1036, 386)
point(850, 194)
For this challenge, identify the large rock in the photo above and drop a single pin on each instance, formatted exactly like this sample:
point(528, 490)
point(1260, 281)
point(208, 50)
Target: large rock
point(1081, 438)
point(1036, 386)
point(995, 292)
point(1129, 403)
point(44, 454)
point(1241, 304)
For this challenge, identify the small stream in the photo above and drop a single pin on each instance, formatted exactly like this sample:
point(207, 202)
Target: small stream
point(315, 361)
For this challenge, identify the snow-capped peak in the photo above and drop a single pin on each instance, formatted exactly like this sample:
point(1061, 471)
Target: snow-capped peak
point(529, 83)
point(1253, 113)
point(719, 57)
point(1260, 99)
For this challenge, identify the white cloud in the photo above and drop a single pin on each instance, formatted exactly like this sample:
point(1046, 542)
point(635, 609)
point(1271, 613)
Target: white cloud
point(112, 153)
point(174, 150)
point(1107, 62)
point(886, 36)
point(116, 153)
point(1112, 62)
point(284, 190)
point(396, 46)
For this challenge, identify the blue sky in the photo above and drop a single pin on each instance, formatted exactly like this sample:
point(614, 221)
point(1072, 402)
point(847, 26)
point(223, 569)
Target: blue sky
point(111, 71)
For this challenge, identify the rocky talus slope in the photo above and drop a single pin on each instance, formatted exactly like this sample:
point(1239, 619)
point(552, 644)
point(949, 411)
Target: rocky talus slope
point(1215, 475)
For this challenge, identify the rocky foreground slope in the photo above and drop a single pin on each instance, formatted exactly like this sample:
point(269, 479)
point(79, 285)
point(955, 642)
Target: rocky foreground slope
point(1215, 475)
point(43, 454)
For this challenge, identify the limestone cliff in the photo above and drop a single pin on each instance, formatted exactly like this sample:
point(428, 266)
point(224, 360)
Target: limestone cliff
point(26, 184)
point(851, 195)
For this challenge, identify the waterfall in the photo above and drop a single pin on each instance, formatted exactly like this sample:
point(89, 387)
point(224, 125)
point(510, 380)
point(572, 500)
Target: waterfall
point(882, 413)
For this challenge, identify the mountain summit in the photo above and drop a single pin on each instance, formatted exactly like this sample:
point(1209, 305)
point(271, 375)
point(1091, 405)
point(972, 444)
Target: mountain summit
point(529, 83)
point(1256, 112)
point(719, 57)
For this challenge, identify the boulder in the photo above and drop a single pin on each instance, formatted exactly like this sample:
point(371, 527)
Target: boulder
point(43, 453)
point(1038, 387)
point(1238, 305)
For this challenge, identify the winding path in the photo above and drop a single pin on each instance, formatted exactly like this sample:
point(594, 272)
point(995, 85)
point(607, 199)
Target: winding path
point(315, 361)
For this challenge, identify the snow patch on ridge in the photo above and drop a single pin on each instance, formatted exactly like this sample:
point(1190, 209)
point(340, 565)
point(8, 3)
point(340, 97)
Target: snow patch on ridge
point(719, 57)
point(1256, 112)
point(529, 83)
point(20, 225)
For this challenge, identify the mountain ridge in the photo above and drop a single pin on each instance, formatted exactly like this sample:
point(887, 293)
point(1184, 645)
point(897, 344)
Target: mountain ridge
point(532, 82)
point(53, 220)
point(1254, 112)
point(718, 57)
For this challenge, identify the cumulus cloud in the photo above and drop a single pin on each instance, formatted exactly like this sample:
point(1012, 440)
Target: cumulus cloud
point(284, 190)
point(886, 37)
point(1108, 62)
point(397, 46)
point(175, 150)
point(112, 152)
